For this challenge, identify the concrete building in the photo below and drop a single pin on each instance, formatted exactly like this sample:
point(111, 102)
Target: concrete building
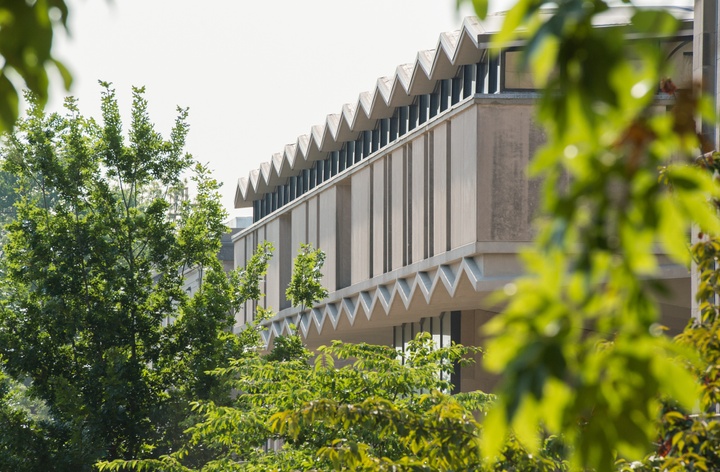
point(418, 194)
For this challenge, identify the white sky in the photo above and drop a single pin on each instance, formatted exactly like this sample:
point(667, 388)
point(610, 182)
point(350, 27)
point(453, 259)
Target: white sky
point(255, 74)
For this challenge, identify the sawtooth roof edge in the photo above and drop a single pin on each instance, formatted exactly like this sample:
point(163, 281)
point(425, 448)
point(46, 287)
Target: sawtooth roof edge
point(454, 49)
point(388, 94)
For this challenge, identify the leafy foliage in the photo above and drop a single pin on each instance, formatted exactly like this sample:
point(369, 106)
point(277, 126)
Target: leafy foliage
point(690, 439)
point(247, 280)
point(379, 410)
point(94, 313)
point(23, 447)
point(305, 289)
point(552, 456)
point(578, 345)
point(26, 35)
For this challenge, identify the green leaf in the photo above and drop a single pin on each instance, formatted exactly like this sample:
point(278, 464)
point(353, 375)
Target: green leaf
point(513, 20)
point(673, 236)
point(8, 103)
point(654, 21)
point(481, 8)
point(495, 431)
point(543, 60)
point(64, 73)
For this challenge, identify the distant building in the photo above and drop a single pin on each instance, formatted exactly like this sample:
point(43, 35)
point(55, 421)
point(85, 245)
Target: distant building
point(419, 196)
point(193, 276)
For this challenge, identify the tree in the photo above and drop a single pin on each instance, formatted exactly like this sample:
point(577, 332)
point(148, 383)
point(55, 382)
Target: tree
point(578, 345)
point(305, 289)
point(92, 267)
point(690, 439)
point(382, 410)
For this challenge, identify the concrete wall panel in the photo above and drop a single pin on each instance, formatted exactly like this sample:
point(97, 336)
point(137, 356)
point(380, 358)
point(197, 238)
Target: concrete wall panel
point(507, 138)
point(378, 217)
point(360, 226)
point(312, 221)
point(327, 235)
point(272, 279)
point(463, 178)
point(284, 254)
point(537, 139)
point(474, 376)
point(397, 201)
point(343, 231)
point(441, 216)
point(299, 227)
point(418, 203)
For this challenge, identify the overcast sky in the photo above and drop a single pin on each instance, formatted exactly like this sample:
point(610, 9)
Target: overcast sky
point(255, 74)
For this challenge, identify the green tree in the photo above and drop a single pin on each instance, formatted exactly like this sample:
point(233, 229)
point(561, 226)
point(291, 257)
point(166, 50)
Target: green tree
point(305, 288)
point(578, 345)
point(690, 439)
point(23, 445)
point(93, 269)
point(381, 410)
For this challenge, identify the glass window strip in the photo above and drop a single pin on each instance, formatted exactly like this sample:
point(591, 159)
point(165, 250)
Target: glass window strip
point(471, 78)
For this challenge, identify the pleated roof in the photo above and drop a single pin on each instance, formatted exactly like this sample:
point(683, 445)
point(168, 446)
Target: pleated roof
point(454, 49)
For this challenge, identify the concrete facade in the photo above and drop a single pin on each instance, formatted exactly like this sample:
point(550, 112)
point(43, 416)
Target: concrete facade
point(428, 218)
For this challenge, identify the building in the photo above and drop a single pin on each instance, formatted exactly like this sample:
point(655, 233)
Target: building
point(419, 196)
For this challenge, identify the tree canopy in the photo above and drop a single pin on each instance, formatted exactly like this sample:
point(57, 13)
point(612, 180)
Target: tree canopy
point(356, 407)
point(95, 317)
point(579, 345)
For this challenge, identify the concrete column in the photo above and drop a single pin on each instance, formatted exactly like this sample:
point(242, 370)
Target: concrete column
point(705, 71)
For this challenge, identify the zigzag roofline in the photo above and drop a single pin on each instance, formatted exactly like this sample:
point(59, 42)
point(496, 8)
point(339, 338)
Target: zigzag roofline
point(455, 49)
